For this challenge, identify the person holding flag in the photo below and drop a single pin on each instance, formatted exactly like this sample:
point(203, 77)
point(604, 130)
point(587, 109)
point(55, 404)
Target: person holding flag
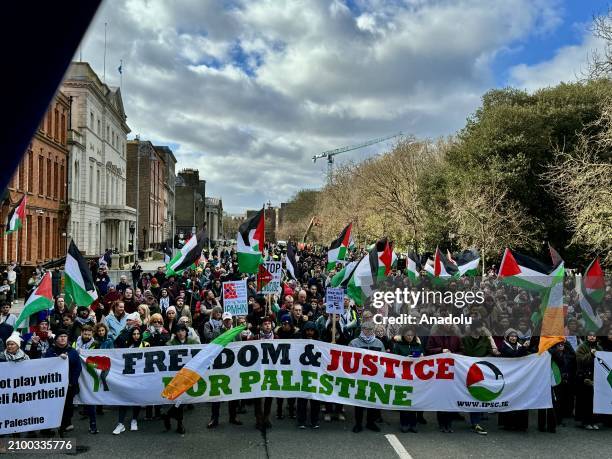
point(585, 359)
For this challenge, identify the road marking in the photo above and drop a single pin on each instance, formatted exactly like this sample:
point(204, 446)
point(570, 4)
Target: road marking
point(398, 447)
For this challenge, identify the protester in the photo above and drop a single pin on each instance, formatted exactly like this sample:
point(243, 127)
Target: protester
point(13, 352)
point(585, 358)
point(408, 345)
point(309, 331)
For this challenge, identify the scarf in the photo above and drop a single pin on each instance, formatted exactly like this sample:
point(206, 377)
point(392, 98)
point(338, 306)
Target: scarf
point(367, 339)
point(16, 357)
point(81, 345)
point(215, 324)
point(267, 335)
point(82, 321)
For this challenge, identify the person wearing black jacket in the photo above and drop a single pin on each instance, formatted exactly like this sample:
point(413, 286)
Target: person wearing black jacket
point(61, 348)
point(286, 330)
point(511, 348)
point(309, 331)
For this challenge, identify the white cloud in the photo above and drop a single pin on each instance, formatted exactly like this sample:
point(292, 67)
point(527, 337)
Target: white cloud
point(251, 90)
point(568, 64)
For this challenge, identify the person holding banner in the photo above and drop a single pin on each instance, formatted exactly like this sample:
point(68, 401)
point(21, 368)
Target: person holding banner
point(408, 345)
point(511, 348)
point(308, 332)
point(263, 406)
point(61, 348)
point(585, 359)
point(367, 340)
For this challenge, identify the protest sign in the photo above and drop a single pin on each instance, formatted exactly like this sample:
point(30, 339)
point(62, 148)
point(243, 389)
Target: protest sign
point(334, 300)
point(326, 372)
point(269, 277)
point(235, 299)
point(32, 394)
point(602, 390)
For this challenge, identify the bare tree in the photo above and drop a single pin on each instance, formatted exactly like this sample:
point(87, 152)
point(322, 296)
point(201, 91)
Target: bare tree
point(488, 219)
point(600, 62)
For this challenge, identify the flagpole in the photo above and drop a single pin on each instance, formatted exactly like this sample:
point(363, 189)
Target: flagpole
point(104, 74)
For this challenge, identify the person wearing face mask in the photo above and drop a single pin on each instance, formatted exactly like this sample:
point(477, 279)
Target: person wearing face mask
point(585, 359)
point(367, 340)
point(156, 334)
point(82, 319)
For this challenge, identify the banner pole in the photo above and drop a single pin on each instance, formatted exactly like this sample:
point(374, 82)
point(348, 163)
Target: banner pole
point(333, 328)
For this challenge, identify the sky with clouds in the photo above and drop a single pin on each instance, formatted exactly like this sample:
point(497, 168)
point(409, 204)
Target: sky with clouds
point(248, 91)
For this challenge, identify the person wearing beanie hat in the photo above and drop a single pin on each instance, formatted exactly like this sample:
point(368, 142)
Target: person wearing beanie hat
point(286, 330)
point(367, 340)
point(61, 348)
point(13, 352)
point(171, 320)
point(132, 322)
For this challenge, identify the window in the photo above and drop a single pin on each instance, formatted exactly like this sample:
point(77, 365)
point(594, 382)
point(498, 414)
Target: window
point(98, 186)
point(99, 127)
point(75, 182)
point(28, 237)
point(56, 180)
point(47, 238)
point(49, 183)
point(55, 241)
point(49, 123)
point(56, 127)
point(31, 171)
point(89, 241)
point(22, 166)
point(90, 183)
point(62, 183)
point(63, 133)
point(91, 120)
point(39, 249)
point(41, 175)
point(107, 133)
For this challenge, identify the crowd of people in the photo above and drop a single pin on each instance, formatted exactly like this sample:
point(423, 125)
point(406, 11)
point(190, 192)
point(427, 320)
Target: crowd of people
point(155, 309)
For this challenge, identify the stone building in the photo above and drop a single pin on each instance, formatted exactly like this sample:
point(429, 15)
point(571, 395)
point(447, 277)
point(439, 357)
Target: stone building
point(99, 216)
point(214, 218)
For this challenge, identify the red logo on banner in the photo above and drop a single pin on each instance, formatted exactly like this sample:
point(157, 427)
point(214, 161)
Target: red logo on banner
point(229, 292)
point(263, 277)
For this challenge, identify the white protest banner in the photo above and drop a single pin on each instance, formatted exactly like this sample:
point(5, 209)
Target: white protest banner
point(32, 394)
point(602, 390)
point(326, 372)
point(235, 298)
point(269, 277)
point(334, 300)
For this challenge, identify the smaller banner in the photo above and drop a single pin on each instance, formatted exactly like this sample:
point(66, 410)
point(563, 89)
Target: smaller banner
point(602, 391)
point(235, 298)
point(334, 300)
point(269, 277)
point(32, 394)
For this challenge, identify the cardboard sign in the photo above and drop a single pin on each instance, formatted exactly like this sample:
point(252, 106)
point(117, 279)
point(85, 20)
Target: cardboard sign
point(269, 277)
point(334, 300)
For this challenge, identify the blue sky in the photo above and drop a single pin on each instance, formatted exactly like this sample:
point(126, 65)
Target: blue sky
point(248, 93)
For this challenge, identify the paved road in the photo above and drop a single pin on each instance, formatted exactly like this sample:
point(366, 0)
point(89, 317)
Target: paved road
point(333, 440)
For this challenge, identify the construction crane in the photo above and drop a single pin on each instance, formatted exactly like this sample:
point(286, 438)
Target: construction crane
point(329, 154)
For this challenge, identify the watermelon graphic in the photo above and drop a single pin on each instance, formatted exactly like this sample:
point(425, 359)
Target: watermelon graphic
point(485, 382)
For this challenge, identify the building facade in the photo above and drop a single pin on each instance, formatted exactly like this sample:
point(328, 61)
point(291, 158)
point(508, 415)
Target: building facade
point(42, 176)
point(99, 217)
point(214, 218)
point(190, 202)
point(150, 190)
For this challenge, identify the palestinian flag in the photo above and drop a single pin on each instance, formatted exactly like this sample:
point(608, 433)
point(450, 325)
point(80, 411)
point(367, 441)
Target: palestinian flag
point(41, 299)
point(553, 318)
point(291, 264)
point(195, 369)
point(16, 216)
point(371, 268)
point(467, 262)
point(342, 277)
point(339, 248)
point(594, 284)
point(525, 272)
point(591, 289)
point(188, 257)
point(413, 266)
point(440, 269)
point(250, 244)
point(78, 283)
